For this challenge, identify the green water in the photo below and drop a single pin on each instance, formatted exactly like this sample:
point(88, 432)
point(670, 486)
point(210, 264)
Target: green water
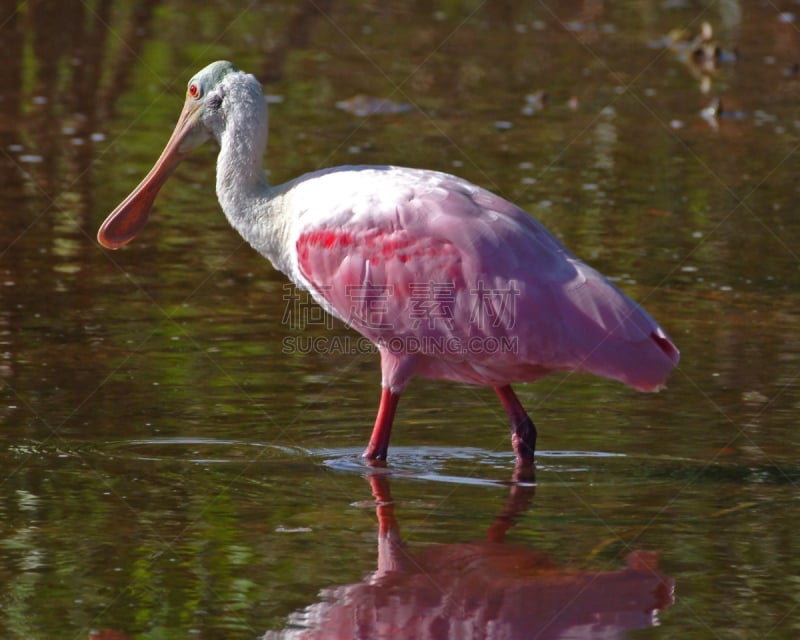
point(171, 468)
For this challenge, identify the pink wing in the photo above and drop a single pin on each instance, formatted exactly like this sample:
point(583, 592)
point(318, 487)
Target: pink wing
point(472, 288)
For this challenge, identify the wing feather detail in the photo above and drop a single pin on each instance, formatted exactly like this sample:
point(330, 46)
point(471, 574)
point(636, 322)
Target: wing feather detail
point(432, 257)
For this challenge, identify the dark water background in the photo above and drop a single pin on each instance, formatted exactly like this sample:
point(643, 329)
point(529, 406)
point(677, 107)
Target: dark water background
point(173, 465)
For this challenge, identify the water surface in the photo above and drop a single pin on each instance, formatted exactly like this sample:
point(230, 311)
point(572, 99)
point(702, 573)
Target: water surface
point(174, 466)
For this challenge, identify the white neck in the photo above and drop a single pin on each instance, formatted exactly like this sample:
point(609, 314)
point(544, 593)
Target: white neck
point(252, 207)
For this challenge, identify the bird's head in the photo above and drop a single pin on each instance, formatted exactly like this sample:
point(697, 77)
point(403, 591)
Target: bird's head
point(202, 118)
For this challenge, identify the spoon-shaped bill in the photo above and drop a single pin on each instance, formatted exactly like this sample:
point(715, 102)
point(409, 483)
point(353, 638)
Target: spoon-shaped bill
point(122, 225)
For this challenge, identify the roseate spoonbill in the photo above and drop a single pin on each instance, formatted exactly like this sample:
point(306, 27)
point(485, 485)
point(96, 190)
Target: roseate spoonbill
point(448, 280)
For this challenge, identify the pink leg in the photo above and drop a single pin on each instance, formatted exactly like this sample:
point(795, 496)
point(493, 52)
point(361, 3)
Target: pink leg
point(523, 432)
point(378, 446)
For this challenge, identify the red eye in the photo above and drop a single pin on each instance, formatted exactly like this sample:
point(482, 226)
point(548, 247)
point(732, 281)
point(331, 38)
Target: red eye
point(194, 90)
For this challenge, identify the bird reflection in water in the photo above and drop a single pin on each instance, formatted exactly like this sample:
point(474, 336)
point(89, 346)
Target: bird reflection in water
point(483, 589)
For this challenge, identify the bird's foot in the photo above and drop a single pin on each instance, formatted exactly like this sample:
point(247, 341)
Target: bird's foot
point(373, 461)
point(524, 473)
point(523, 439)
point(375, 455)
